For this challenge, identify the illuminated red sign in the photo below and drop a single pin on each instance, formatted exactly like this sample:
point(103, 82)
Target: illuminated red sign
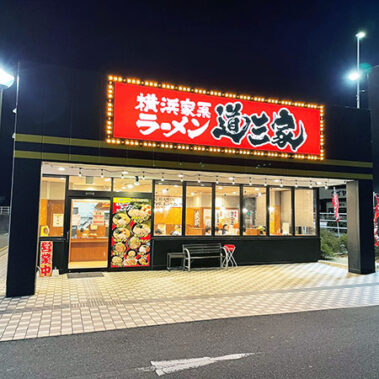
point(150, 113)
point(46, 258)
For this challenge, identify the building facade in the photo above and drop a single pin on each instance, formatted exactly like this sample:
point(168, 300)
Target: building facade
point(116, 172)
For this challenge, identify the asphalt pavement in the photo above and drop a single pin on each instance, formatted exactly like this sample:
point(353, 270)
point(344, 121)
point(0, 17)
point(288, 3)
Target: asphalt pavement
point(341, 343)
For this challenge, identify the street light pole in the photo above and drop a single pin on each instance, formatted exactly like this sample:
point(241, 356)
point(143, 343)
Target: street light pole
point(359, 36)
point(358, 80)
point(6, 80)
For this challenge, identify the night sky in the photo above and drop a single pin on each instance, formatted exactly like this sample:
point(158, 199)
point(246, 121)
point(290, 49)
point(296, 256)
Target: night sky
point(298, 50)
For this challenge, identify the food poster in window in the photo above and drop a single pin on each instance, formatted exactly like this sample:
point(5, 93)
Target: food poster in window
point(131, 232)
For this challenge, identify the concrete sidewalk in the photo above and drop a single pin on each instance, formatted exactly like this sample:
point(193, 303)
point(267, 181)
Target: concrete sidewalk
point(132, 299)
point(3, 244)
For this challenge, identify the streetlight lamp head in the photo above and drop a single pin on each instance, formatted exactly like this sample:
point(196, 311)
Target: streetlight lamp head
point(6, 80)
point(360, 35)
point(354, 75)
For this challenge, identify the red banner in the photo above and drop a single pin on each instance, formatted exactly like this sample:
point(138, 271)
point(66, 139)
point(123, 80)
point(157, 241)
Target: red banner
point(376, 217)
point(46, 258)
point(336, 205)
point(170, 116)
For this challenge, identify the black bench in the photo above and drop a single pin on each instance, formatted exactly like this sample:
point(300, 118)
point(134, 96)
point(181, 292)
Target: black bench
point(203, 251)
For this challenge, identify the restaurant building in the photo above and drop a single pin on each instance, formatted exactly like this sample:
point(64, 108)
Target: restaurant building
point(113, 172)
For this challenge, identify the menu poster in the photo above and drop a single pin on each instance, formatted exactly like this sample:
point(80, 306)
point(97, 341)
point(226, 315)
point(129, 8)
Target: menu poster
point(131, 232)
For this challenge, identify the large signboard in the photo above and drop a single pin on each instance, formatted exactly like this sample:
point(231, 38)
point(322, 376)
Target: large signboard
point(201, 120)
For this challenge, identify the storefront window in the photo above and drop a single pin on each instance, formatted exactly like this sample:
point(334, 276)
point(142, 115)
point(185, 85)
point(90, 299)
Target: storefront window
point(168, 209)
point(227, 212)
point(305, 212)
point(90, 183)
point(280, 211)
point(199, 211)
point(89, 233)
point(254, 211)
point(133, 184)
point(51, 211)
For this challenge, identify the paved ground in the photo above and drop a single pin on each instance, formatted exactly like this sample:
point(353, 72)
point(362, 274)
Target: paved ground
point(338, 344)
point(3, 243)
point(132, 299)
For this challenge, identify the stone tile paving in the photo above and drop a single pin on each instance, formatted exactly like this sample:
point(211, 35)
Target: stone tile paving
point(133, 299)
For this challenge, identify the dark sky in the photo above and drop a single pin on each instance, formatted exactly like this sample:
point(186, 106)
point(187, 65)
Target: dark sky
point(299, 50)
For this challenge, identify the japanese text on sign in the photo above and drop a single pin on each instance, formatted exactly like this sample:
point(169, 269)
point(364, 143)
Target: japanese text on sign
point(46, 258)
point(156, 114)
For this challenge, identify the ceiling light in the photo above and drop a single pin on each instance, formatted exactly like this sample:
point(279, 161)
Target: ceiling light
point(130, 185)
point(61, 169)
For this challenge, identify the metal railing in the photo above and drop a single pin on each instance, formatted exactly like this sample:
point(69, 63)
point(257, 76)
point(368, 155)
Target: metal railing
point(328, 221)
point(5, 210)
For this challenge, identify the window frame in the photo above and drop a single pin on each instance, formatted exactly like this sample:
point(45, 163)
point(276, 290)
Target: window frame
point(292, 189)
point(267, 224)
point(168, 182)
point(213, 204)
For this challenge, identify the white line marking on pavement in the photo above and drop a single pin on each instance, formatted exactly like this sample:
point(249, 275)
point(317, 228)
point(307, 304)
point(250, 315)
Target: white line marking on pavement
point(168, 367)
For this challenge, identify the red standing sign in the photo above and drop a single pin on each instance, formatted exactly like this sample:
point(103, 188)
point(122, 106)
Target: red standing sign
point(46, 258)
point(178, 117)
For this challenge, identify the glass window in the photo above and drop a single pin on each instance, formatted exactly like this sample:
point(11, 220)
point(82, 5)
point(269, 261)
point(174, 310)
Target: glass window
point(305, 212)
point(132, 184)
point(280, 211)
point(227, 210)
point(90, 183)
point(254, 211)
point(168, 209)
point(89, 233)
point(51, 210)
point(199, 211)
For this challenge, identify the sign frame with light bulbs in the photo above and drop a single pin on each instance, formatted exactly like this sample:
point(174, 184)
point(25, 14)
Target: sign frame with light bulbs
point(159, 116)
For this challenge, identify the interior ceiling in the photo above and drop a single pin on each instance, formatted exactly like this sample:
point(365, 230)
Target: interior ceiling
point(53, 168)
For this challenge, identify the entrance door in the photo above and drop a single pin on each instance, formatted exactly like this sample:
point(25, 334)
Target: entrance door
point(89, 233)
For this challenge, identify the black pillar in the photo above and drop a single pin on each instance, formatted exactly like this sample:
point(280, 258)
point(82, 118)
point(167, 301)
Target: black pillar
point(373, 97)
point(23, 232)
point(360, 227)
